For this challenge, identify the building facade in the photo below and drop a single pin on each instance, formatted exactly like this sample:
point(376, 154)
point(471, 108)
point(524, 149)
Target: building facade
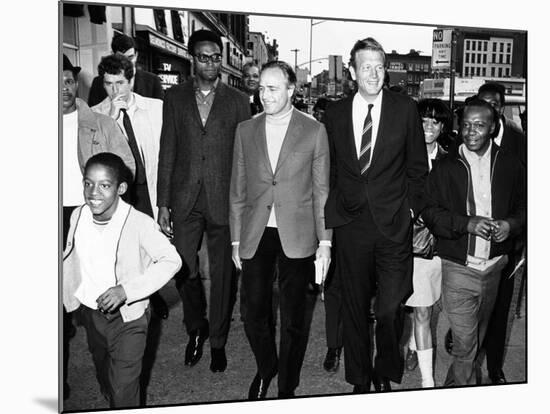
point(408, 70)
point(161, 37)
point(257, 48)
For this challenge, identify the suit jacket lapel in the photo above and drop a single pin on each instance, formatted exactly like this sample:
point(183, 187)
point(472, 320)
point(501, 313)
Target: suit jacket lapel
point(261, 141)
point(292, 135)
point(386, 115)
point(348, 144)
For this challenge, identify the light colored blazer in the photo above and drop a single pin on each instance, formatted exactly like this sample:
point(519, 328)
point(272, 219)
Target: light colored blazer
point(298, 188)
point(147, 124)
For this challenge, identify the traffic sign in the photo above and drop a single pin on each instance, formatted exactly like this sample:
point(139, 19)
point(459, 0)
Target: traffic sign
point(441, 48)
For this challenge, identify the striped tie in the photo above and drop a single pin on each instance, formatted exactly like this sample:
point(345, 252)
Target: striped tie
point(366, 143)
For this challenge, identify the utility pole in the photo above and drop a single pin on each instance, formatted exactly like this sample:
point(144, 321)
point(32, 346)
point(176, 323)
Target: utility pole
point(295, 58)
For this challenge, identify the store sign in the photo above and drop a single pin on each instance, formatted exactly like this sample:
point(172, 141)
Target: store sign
point(163, 44)
point(441, 48)
point(168, 78)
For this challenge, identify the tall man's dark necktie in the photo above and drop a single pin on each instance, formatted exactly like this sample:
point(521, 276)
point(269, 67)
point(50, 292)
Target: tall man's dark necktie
point(140, 167)
point(366, 143)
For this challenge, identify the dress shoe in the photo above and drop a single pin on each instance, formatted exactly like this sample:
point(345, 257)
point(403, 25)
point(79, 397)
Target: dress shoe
point(361, 388)
point(381, 384)
point(498, 378)
point(258, 388)
point(449, 342)
point(193, 351)
point(332, 359)
point(159, 306)
point(285, 394)
point(411, 360)
point(218, 362)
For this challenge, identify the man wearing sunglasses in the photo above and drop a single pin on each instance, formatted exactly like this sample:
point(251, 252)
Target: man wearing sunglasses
point(196, 148)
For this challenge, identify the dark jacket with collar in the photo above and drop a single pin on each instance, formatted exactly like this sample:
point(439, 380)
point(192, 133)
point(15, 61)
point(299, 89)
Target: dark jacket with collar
point(514, 141)
point(192, 155)
point(447, 190)
point(394, 183)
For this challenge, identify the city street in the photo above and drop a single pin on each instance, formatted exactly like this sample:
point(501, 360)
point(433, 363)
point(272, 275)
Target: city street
point(171, 382)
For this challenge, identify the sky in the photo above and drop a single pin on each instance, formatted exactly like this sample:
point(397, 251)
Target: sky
point(336, 37)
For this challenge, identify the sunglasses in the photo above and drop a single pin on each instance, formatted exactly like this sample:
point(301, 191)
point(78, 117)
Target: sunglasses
point(215, 58)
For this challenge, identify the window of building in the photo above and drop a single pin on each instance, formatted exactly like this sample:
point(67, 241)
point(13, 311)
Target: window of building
point(176, 26)
point(493, 71)
point(467, 44)
point(160, 20)
point(502, 47)
point(483, 71)
point(509, 48)
point(508, 59)
point(485, 46)
point(508, 72)
point(494, 58)
point(466, 71)
point(467, 58)
point(500, 72)
point(473, 45)
point(500, 60)
point(477, 71)
point(494, 47)
point(485, 59)
point(479, 45)
point(479, 58)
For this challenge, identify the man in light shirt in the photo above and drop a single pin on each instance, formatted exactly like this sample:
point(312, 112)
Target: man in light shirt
point(279, 186)
point(140, 119)
point(477, 206)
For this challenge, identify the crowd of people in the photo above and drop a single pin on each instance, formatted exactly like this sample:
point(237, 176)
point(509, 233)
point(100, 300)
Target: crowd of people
point(375, 197)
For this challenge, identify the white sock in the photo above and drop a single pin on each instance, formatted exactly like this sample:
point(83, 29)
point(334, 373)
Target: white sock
point(426, 368)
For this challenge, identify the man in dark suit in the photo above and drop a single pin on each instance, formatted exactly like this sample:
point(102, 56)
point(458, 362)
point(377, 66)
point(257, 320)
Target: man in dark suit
point(196, 147)
point(378, 169)
point(279, 186)
point(146, 84)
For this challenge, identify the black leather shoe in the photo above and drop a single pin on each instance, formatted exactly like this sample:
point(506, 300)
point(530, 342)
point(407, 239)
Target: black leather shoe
point(285, 394)
point(449, 342)
point(218, 362)
point(381, 384)
point(332, 359)
point(411, 360)
point(258, 388)
point(159, 306)
point(498, 378)
point(361, 388)
point(193, 351)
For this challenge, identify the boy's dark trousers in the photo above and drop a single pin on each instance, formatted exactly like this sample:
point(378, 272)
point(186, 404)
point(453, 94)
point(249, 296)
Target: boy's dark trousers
point(117, 349)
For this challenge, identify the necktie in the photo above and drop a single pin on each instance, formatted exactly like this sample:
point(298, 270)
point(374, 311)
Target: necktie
point(366, 143)
point(140, 167)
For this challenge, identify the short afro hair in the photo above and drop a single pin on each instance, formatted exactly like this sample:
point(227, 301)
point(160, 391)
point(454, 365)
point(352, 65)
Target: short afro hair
point(112, 162)
point(203, 36)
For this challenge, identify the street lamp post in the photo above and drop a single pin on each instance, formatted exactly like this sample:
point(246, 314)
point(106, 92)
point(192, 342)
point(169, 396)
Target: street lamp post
point(295, 59)
point(311, 24)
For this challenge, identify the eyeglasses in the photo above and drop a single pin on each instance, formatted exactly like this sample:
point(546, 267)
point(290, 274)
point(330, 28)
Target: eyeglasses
point(215, 58)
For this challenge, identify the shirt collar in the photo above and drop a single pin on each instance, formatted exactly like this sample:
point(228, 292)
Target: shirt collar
point(471, 156)
point(363, 103)
point(196, 85)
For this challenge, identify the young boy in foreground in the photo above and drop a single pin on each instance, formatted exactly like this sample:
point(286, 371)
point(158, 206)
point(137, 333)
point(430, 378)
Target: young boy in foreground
point(114, 259)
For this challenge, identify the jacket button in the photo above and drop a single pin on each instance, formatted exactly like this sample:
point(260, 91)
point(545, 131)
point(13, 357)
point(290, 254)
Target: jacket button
point(269, 207)
point(274, 183)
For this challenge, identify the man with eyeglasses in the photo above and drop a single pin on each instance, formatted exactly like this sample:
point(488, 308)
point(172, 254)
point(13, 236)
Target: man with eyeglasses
point(378, 169)
point(196, 148)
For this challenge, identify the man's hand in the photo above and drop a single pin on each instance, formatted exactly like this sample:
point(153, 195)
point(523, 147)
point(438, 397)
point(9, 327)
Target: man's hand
point(481, 226)
point(501, 230)
point(111, 299)
point(323, 256)
point(236, 258)
point(164, 221)
point(117, 103)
